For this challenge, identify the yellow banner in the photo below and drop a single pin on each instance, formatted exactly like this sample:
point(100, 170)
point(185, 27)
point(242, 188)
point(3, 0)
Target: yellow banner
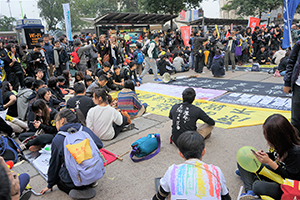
point(226, 115)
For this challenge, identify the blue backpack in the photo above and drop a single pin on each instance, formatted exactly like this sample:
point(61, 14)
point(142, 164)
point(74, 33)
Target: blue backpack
point(82, 157)
point(9, 149)
point(140, 58)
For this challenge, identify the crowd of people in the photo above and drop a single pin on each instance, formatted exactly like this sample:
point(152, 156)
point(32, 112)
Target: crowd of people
point(39, 90)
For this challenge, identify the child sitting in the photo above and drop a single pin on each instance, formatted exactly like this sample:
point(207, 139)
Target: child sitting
point(217, 66)
point(204, 181)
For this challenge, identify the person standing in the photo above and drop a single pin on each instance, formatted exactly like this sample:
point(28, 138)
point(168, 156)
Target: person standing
point(81, 66)
point(60, 58)
point(198, 50)
point(49, 51)
point(292, 83)
point(212, 45)
point(150, 58)
point(231, 43)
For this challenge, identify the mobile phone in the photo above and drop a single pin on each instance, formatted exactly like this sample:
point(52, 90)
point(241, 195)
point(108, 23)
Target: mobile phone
point(253, 151)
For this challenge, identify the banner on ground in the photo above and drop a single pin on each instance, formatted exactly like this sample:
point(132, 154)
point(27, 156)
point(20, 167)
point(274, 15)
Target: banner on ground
point(290, 7)
point(225, 115)
point(253, 22)
point(67, 14)
point(186, 33)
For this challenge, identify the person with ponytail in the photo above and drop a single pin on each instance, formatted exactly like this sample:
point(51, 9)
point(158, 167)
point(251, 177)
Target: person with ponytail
point(57, 172)
point(105, 121)
point(43, 123)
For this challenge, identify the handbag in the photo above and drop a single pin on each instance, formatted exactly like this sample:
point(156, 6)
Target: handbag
point(105, 58)
point(238, 51)
point(144, 146)
point(290, 189)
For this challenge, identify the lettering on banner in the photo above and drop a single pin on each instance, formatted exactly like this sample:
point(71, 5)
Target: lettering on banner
point(241, 111)
point(214, 107)
point(228, 120)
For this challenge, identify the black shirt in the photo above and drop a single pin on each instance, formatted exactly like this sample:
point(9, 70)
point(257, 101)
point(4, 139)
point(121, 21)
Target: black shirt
point(82, 102)
point(13, 109)
point(130, 75)
point(118, 78)
point(184, 117)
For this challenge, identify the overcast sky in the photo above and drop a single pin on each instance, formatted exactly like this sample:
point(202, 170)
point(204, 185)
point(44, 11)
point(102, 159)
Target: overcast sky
point(211, 8)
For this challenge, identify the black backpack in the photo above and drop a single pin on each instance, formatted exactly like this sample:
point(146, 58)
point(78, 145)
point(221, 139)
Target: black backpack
point(9, 149)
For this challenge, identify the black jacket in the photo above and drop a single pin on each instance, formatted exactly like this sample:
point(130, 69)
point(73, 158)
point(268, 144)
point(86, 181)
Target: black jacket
point(63, 57)
point(162, 66)
point(198, 43)
point(57, 168)
point(283, 63)
point(32, 64)
point(217, 66)
point(293, 66)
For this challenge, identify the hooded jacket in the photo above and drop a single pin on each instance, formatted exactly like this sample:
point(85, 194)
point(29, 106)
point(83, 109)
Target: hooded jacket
point(23, 95)
point(57, 167)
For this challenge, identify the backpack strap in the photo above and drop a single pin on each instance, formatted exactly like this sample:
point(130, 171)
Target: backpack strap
point(135, 151)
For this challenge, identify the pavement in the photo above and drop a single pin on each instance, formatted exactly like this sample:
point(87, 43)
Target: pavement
point(135, 181)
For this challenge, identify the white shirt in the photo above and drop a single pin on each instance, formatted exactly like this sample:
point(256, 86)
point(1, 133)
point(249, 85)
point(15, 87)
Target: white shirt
point(177, 63)
point(278, 55)
point(100, 120)
point(187, 181)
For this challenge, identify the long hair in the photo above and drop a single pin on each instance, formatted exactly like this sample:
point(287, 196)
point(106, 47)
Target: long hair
point(280, 134)
point(5, 87)
point(40, 104)
point(42, 92)
point(72, 116)
point(66, 75)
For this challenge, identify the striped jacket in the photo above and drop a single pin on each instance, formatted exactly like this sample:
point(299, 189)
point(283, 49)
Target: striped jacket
point(128, 101)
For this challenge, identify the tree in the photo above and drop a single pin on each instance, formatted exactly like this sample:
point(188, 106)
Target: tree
point(252, 7)
point(52, 11)
point(6, 23)
point(170, 6)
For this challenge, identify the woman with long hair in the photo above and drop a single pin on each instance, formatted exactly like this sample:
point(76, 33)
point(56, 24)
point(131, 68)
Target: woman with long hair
point(113, 50)
point(102, 47)
point(212, 45)
point(67, 75)
point(79, 77)
point(15, 71)
point(44, 123)
point(55, 90)
point(283, 158)
point(105, 121)
point(9, 99)
point(58, 174)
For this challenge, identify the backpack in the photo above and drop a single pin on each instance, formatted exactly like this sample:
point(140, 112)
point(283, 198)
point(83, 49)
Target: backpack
point(75, 57)
point(9, 149)
point(145, 48)
point(140, 58)
point(82, 157)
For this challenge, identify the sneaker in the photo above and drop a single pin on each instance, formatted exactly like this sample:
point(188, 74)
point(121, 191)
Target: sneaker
point(157, 79)
point(95, 184)
point(128, 127)
point(248, 196)
point(26, 195)
point(237, 172)
point(23, 147)
point(202, 72)
point(82, 194)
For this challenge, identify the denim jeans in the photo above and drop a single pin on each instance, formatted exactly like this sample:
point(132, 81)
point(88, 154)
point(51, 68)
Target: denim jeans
point(23, 180)
point(191, 60)
point(296, 107)
point(282, 73)
point(264, 187)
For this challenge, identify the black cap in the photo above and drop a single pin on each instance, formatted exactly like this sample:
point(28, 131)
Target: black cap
point(40, 40)
point(132, 63)
point(37, 45)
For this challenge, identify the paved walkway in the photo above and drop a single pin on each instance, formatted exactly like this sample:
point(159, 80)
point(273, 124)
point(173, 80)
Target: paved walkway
point(128, 180)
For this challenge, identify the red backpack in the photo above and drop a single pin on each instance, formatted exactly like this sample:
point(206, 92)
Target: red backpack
point(75, 57)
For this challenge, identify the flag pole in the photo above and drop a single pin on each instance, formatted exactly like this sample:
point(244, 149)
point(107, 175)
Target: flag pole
point(288, 20)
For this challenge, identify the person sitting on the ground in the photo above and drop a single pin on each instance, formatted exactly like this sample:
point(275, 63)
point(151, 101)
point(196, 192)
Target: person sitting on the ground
point(185, 116)
point(55, 91)
point(15, 184)
point(129, 102)
point(9, 99)
point(79, 77)
point(178, 63)
point(129, 74)
point(22, 96)
point(99, 83)
point(66, 73)
point(118, 78)
point(88, 80)
point(164, 66)
point(37, 84)
point(105, 121)
point(39, 74)
point(194, 171)
point(262, 56)
point(283, 159)
point(278, 55)
point(58, 174)
point(283, 63)
point(42, 121)
point(80, 101)
point(106, 71)
point(61, 84)
point(217, 66)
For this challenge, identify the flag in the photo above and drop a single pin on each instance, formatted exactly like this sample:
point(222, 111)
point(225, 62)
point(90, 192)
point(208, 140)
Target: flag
point(231, 27)
point(67, 14)
point(186, 33)
point(227, 34)
point(290, 7)
point(253, 22)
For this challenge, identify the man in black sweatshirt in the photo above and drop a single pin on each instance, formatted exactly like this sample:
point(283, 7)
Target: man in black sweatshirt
point(185, 116)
